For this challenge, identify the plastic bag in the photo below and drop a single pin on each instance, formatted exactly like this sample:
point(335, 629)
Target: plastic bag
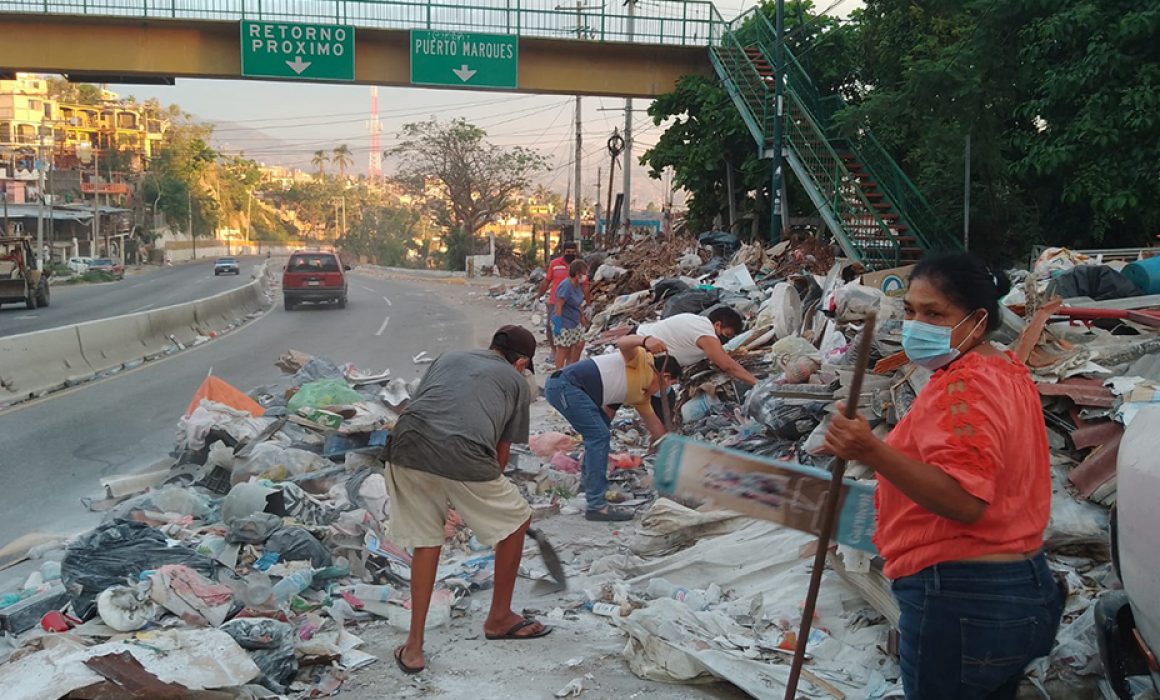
point(792, 347)
point(608, 273)
point(735, 279)
point(724, 244)
point(297, 544)
point(323, 393)
point(270, 644)
point(272, 461)
point(317, 369)
point(855, 302)
point(1099, 282)
point(174, 500)
point(693, 301)
point(787, 419)
point(544, 445)
point(253, 529)
point(666, 288)
point(115, 553)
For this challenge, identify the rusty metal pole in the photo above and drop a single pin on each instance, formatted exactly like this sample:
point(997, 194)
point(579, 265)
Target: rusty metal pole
point(829, 514)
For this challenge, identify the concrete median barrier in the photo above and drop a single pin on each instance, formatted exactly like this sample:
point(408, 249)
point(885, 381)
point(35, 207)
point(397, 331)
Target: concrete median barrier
point(112, 342)
point(36, 363)
point(32, 364)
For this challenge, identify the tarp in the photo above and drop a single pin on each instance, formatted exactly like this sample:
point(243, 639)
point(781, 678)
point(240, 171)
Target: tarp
point(223, 392)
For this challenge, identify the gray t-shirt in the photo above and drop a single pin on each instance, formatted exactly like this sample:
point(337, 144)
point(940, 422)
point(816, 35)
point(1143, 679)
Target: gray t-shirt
point(468, 402)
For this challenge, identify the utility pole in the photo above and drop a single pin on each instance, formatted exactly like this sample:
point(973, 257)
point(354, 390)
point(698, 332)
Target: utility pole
point(627, 162)
point(598, 229)
point(778, 126)
point(189, 212)
point(96, 202)
point(579, 8)
point(40, 210)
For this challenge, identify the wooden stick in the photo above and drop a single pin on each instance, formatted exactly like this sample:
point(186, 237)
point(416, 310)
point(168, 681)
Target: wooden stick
point(829, 514)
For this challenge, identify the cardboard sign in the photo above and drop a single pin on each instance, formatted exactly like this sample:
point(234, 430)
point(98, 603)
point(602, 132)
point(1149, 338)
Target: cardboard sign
point(793, 495)
point(892, 282)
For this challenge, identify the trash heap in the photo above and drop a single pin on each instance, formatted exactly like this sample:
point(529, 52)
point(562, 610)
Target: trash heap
point(1085, 329)
point(245, 563)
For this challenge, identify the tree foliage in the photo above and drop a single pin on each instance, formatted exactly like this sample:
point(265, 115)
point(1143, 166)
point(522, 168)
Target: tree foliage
point(461, 178)
point(175, 180)
point(342, 159)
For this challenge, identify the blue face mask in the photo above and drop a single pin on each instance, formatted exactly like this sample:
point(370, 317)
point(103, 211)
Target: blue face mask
point(928, 345)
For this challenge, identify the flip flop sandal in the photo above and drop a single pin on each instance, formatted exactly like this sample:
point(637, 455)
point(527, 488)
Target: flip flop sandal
point(522, 624)
point(409, 670)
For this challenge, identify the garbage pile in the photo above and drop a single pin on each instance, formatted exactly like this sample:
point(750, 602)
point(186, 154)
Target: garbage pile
point(1087, 331)
point(246, 564)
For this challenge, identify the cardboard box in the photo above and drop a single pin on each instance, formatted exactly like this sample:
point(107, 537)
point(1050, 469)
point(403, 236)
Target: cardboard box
point(892, 282)
point(793, 495)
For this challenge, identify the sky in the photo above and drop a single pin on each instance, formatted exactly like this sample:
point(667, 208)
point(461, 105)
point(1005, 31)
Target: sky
point(296, 119)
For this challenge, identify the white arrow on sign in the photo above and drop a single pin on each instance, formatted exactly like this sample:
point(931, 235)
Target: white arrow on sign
point(463, 72)
point(298, 65)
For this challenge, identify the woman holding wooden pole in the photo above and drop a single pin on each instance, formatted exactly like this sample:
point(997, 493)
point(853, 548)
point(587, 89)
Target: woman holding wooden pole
point(964, 495)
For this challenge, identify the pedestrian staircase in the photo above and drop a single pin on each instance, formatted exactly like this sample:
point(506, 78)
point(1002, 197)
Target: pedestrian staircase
point(872, 208)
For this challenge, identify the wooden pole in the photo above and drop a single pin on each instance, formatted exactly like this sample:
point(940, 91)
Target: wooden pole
point(829, 514)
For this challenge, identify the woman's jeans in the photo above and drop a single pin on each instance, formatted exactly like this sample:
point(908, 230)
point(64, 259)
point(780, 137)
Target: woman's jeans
point(969, 629)
point(593, 424)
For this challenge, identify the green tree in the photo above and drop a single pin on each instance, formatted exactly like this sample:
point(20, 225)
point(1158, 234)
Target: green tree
point(463, 179)
point(320, 159)
point(342, 158)
point(175, 180)
point(707, 137)
point(384, 232)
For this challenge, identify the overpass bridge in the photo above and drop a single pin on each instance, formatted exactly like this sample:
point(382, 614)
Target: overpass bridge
point(591, 49)
point(870, 206)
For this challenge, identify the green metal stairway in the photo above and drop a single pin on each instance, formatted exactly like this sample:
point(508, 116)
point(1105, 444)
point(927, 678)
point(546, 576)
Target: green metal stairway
point(871, 207)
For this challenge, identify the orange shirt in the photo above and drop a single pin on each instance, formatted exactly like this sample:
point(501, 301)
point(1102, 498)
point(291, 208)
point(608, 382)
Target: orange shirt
point(557, 273)
point(980, 421)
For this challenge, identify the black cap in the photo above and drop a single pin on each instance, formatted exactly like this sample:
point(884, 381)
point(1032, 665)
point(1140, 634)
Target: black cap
point(517, 339)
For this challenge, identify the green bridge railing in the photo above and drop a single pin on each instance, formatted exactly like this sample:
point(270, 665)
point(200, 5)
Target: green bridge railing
point(693, 23)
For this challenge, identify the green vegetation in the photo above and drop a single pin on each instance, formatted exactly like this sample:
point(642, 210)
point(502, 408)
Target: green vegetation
point(1060, 99)
point(90, 277)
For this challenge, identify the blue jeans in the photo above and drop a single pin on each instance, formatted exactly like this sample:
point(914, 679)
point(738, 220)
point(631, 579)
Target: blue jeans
point(593, 424)
point(969, 629)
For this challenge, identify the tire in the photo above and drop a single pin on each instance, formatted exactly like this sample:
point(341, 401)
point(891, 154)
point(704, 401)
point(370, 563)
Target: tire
point(43, 297)
point(342, 302)
point(287, 304)
point(30, 301)
point(216, 273)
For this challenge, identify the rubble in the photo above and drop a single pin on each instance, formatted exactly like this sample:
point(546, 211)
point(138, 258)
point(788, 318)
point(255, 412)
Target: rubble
point(265, 541)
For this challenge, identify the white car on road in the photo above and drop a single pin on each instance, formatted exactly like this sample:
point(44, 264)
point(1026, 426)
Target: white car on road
point(79, 265)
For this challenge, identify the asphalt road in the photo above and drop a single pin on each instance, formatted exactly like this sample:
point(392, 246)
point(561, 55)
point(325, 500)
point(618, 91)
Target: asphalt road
point(53, 452)
point(154, 288)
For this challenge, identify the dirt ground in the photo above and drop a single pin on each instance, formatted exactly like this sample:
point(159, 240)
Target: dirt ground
point(461, 663)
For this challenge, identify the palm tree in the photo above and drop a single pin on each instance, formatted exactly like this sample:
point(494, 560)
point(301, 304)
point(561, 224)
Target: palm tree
point(342, 158)
point(321, 158)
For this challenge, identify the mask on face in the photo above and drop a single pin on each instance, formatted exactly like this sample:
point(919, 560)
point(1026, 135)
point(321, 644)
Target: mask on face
point(569, 259)
point(928, 345)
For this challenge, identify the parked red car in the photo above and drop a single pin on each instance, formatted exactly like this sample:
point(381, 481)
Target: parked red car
point(114, 268)
point(316, 277)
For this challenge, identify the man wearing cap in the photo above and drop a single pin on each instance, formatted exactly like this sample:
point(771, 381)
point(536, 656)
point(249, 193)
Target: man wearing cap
point(557, 273)
point(450, 447)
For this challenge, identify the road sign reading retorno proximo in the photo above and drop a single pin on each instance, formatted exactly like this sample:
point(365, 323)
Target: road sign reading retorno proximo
point(297, 51)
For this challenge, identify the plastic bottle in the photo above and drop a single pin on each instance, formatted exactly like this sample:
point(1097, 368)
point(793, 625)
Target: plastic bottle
point(368, 593)
point(291, 585)
point(257, 591)
point(696, 599)
point(605, 609)
point(50, 570)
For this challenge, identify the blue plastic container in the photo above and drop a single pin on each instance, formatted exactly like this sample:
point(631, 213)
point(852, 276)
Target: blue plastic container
point(1145, 274)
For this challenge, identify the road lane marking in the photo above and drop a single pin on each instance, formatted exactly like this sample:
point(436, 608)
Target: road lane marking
point(383, 327)
point(367, 288)
point(388, 301)
point(140, 308)
point(27, 317)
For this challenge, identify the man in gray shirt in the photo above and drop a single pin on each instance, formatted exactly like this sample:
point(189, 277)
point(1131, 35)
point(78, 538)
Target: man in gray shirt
point(450, 448)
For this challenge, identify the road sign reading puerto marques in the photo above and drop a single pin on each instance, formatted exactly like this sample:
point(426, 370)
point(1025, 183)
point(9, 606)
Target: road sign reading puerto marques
point(459, 59)
point(297, 51)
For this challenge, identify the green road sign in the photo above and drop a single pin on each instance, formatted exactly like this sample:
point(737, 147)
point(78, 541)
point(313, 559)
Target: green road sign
point(297, 51)
point(457, 59)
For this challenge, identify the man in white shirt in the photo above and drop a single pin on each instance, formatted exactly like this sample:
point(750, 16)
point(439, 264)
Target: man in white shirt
point(691, 338)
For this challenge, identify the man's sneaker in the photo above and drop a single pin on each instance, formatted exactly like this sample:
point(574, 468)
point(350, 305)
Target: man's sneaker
point(609, 515)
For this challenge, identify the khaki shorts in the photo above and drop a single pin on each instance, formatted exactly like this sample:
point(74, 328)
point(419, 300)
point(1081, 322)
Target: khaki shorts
point(419, 500)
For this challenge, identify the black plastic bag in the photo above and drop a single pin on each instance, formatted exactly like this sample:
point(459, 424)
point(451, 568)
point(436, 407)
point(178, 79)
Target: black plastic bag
point(723, 243)
point(115, 554)
point(1099, 282)
point(297, 544)
point(693, 301)
point(669, 287)
point(788, 419)
point(270, 644)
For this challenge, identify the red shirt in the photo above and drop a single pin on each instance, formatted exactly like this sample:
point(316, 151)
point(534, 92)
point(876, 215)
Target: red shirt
point(557, 273)
point(980, 421)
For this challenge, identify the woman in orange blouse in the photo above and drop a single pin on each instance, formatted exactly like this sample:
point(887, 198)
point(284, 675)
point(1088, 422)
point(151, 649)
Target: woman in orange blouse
point(964, 495)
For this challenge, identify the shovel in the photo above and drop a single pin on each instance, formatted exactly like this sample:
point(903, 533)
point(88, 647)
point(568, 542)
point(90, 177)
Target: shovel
point(551, 559)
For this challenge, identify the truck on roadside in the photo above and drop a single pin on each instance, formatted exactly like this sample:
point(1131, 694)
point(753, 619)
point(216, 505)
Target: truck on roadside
point(20, 280)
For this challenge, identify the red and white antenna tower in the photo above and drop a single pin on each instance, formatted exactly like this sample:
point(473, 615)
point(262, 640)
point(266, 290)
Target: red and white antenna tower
point(375, 168)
